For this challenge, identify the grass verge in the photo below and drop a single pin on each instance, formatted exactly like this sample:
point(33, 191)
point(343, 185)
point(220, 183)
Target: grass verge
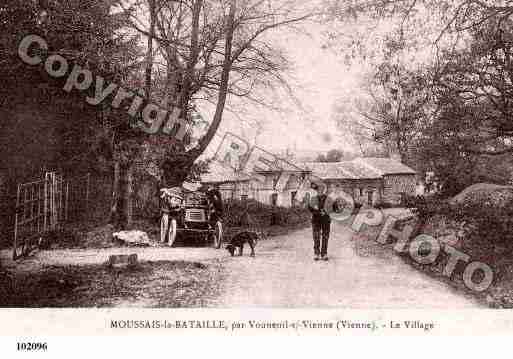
point(149, 284)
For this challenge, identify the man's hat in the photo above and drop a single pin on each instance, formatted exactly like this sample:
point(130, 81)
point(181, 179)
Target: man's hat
point(318, 186)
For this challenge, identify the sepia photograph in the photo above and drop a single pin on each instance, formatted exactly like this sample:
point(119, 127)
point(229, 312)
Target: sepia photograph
point(257, 155)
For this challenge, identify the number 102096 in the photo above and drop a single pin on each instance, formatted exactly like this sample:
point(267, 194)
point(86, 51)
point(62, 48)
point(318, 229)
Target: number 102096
point(29, 346)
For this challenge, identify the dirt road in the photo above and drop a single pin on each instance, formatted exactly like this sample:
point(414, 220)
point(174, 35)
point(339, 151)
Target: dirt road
point(283, 274)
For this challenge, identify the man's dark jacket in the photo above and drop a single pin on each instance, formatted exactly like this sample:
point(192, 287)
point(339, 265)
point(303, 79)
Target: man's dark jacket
point(319, 215)
point(216, 199)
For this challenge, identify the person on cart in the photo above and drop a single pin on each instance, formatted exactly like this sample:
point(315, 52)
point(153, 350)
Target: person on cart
point(216, 203)
point(171, 201)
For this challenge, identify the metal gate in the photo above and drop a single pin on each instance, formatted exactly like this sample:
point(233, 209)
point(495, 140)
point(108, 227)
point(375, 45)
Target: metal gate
point(44, 205)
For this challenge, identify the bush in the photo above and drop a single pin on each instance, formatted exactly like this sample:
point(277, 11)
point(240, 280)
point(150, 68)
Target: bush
point(239, 213)
point(480, 216)
point(427, 206)
point(495, 224)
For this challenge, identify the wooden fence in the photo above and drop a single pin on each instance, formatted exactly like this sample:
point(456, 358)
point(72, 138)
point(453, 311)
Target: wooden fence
point(45, 205)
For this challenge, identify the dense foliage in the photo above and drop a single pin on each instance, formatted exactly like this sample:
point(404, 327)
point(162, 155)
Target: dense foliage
point(485, 215)
point(251, 213)
point(439, 86)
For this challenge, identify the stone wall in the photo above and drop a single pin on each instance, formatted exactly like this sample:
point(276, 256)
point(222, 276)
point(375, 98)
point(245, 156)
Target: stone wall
point(359, 189)
point(367, 192)
point(264, 192)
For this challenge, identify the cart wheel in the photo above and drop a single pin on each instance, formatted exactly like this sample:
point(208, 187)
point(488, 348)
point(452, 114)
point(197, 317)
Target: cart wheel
point(172, 232)
point(217, 236)
point(164, 221)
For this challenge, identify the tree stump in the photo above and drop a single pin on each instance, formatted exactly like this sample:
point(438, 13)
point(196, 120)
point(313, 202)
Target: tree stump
point(122, 261)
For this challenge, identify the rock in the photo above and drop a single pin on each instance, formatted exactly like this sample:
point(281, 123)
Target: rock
point(122, 260)
point(132, 238)
point(493, 204)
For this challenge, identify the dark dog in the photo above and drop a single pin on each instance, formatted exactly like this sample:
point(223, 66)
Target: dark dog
point(240, 239)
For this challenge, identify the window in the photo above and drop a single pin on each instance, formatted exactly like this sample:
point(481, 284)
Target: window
point(293, 195)
point(361, 191)
point(370, 196)
point(244, 197)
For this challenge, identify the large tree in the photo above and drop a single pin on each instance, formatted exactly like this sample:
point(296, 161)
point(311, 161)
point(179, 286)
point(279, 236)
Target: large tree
point(471, 138)
point(207, 52)
point(43, 126)
point(461, 52)
point(474, 86)
point(394, 108)
point(197, 52)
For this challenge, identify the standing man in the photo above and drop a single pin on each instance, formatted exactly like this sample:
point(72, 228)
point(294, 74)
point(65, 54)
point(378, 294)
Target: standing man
point(320, 222)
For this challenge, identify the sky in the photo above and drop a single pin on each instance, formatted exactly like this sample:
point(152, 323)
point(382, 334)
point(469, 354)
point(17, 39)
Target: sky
point(320, 80)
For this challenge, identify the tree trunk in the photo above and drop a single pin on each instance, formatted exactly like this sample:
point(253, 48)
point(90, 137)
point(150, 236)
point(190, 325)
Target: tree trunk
point(149, 53)
point(185, 95)
point(128, 195)
point(177, 168)
point(171, 80)
point(223, 88)
point(122, 207)
point(114, 212)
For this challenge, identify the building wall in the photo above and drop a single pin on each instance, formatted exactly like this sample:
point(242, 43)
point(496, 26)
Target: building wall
point(394, 186)
point(287, 196)
point(235, 190)
point(283, 198)
point(367, 192)
point(361, 190)
point(263, 192)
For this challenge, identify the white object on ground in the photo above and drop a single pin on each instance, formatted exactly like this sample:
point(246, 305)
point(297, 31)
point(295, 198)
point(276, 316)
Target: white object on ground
point(133, 237)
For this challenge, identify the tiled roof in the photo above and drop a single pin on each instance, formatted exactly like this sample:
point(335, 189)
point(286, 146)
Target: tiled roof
point(385, 166)
point(283, 165)
point(359, 168)
point(219, 173)
point(341, 170)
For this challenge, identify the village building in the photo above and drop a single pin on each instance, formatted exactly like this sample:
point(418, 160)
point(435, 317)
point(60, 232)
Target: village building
point(232, 184)
point(282, 187)
point(354, 178)
point(370, 181)
point(273, 187)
